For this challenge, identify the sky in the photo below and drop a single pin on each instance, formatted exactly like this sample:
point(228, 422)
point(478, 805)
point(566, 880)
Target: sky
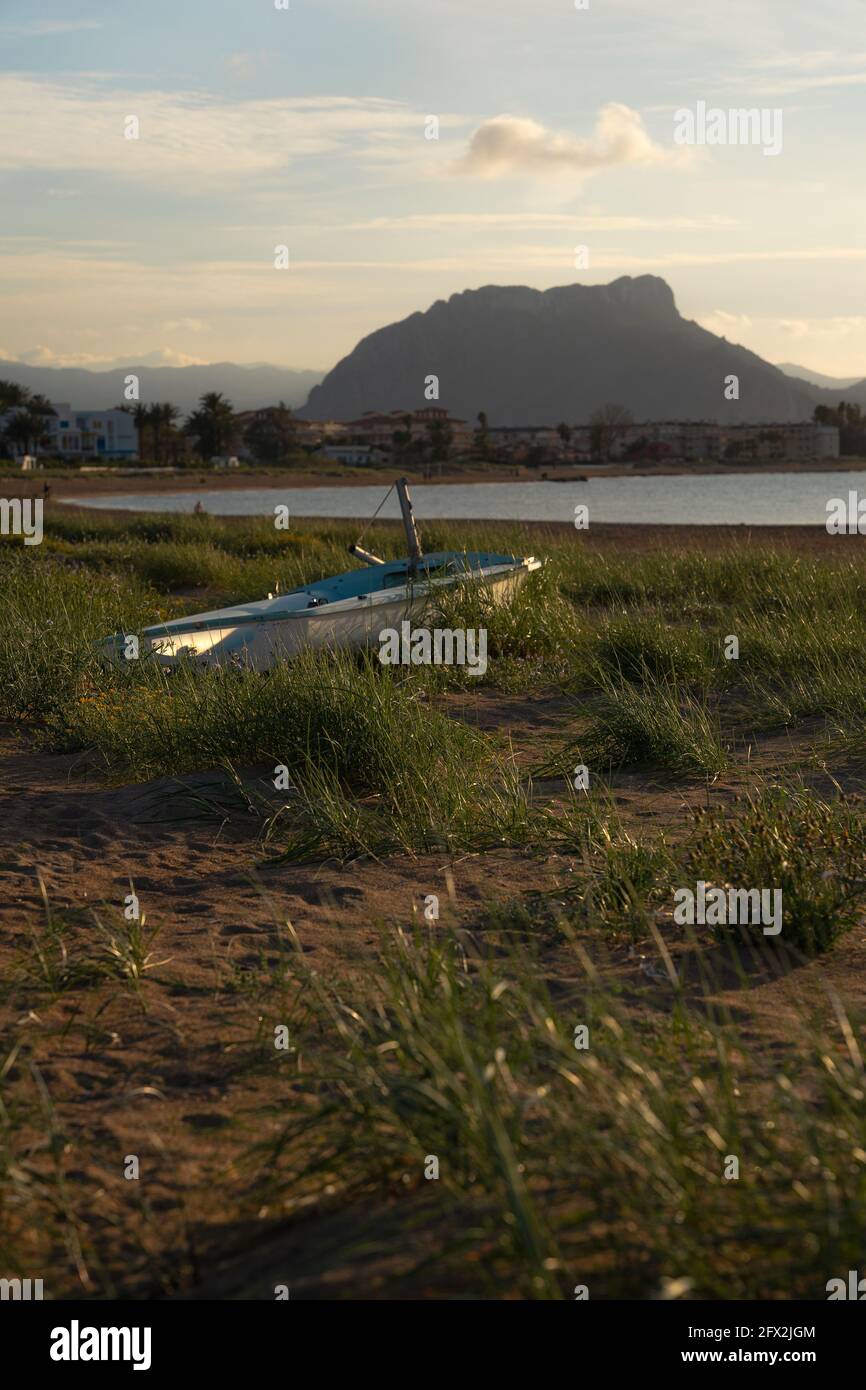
point(309, 128)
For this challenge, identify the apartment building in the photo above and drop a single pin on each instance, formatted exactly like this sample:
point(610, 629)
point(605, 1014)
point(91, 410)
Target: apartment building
point(515, 439)
point(378, 427)
point(707, 441)
point(68, 433)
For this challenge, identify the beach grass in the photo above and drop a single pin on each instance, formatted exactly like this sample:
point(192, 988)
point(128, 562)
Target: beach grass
point(564, 1160)
point(577, 1149)
point(673, 659)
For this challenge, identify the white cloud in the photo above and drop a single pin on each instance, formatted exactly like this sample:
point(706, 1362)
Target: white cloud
point(726, 325)
point(782, 73)
point(796, 328)
point(837, 326)
point(839, 335)
point(782, 86)
point(42, 356)
point(189, 139)
point(588, 222)
point(508, 145)
point(164, 357)
point(37, 356)
point(46, 28)
point(627, 261)
point(809, 61)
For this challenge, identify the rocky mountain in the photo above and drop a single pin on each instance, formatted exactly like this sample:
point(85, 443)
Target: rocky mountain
point(530, 357)
point(246, 387)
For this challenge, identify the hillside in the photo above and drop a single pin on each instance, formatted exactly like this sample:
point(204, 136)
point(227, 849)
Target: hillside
point(247, 387)
point(528, 357)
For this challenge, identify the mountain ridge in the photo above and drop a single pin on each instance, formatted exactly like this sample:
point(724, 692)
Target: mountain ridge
point(535, 357)
point(829, 383)
point(524, 356)
point(247, 387)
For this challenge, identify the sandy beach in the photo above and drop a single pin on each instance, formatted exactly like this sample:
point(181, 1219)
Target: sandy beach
point(113, 786)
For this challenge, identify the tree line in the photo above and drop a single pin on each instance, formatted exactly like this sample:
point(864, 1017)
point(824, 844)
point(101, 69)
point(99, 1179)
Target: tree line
point(212, 429)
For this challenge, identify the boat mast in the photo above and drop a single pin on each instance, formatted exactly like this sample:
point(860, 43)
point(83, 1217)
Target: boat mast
point(412, 540)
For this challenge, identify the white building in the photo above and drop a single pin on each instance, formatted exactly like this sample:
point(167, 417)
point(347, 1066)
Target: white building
point(68, 433)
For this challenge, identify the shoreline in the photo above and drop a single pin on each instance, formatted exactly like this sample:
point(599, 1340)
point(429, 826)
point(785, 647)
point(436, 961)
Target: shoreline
point(193, 480)
point(639, 535)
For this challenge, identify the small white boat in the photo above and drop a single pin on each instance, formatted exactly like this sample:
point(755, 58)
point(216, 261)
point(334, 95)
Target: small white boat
point(347, 610)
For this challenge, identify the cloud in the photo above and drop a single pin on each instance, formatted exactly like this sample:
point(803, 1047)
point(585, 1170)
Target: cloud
point(810, 60)
point(771, 336)
point(803, 72)
point(188, 139)
point(586, 222)
point(42, 356)
point(797, 328)
point(39, 356)
point(726, 325)
point(611, 260)
point(164, 357)
point(783, 86)
point(46, 28)
point(836, 326)
point(508, 145)
point(52, 239)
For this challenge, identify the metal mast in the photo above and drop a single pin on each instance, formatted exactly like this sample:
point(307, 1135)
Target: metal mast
point(412, 540)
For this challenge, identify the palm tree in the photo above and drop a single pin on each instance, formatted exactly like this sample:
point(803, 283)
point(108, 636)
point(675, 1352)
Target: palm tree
point(12, 395)
point(162, 416)
point(27, 425)
point(213, 424)
point(141, 417)
point(17, 433)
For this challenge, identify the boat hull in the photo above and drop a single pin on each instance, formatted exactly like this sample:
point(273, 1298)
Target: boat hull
point(241, 642)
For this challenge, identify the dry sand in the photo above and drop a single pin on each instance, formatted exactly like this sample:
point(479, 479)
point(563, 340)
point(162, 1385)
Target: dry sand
point(164, 1082)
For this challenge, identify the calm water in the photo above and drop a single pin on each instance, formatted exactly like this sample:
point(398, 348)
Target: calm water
point(764, 499)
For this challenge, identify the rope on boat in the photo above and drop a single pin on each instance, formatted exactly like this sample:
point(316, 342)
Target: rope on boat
point(375, 514)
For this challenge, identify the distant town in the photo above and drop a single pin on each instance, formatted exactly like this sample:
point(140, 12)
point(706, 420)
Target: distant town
point(37, 432)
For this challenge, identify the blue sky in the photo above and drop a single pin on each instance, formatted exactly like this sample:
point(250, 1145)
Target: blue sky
point(261, 127)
